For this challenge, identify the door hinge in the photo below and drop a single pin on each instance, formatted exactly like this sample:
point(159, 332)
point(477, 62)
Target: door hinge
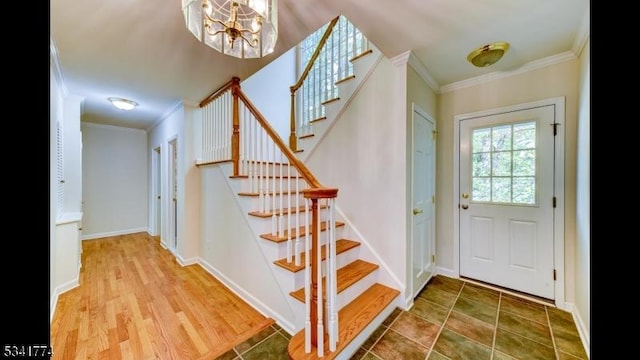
point(433, 134)
point(555, 128)
point(433, 258)
point(554, 274)
point(433, 199)
point(554, 202)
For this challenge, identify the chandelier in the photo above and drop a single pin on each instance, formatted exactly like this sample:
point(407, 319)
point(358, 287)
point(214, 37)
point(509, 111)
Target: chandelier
point(240, 28)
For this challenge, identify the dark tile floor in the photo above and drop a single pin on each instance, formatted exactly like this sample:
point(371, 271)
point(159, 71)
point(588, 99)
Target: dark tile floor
point(452, 319)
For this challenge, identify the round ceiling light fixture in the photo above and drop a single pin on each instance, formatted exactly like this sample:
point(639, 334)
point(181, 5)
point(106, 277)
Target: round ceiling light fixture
point(123, 104)
point(488, 54)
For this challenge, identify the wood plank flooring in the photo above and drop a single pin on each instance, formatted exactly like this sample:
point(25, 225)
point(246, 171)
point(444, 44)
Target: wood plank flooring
point(136, 302)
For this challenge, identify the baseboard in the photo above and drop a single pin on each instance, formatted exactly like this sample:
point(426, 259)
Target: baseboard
point(447, 272)
point(114, 233)
point(583, 331)
point(248, 298)
point(186, 262)
point(60, 290)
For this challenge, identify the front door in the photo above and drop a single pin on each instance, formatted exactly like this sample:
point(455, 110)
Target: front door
point(423, 201)
point(506, 199)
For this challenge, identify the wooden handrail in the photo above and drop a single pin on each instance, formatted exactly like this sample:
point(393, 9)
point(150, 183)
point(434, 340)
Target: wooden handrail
point(220, 91)
point(315, 55)
point(293, 159)
point(293, 142)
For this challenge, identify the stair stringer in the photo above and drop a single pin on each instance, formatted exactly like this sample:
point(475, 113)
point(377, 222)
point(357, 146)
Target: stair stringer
point(271, 251)
point(368, 253)
point(362, 69)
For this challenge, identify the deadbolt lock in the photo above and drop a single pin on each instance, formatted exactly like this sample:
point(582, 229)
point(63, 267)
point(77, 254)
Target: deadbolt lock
point(465, 195)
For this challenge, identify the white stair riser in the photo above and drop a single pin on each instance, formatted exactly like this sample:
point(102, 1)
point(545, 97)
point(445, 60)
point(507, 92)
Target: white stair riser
point(341, 260)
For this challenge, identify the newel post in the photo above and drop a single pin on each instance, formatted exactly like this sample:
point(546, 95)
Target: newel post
point(314, 194)
point(293, 139)
point(235, 137)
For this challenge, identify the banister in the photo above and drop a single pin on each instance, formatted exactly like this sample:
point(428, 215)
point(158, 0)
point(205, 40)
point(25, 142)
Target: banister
point(315, 55)
point(293, 142)
point(220, 91)
point(304, 171)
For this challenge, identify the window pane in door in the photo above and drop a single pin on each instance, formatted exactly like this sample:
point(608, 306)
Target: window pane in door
point(504, 164)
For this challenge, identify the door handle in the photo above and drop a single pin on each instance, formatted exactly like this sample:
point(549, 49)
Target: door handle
point(417, 211)
point(465, 207)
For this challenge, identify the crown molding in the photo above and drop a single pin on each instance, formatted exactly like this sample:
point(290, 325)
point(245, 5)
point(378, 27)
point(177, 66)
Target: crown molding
point(111, 127)
point(533, 65)
point(170, 110)
point(401, 59)
point(408, 57)
point(584, 33)
point(55, 66)
point(419, 67)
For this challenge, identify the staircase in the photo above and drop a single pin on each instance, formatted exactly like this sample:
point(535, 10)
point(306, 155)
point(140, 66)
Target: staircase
point(363, 302)
point(284, 203)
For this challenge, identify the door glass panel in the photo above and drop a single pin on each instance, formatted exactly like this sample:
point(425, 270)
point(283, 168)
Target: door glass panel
point(504, 164)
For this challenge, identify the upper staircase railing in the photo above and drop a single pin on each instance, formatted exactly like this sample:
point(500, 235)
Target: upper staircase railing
point(234, 130)
point(334, 46)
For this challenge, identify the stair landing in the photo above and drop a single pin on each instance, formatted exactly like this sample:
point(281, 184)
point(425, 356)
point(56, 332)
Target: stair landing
point(354, 318)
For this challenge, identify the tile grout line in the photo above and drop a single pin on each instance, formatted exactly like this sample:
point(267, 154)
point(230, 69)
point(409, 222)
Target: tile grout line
point(495, 328)
point(435, 340)
point(553, 338)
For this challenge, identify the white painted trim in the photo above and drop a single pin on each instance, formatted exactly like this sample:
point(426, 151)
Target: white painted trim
point(533, 65)
point(185, 262)
point(68, 218)
point(326, 131)
point(170, 110)
point(112, 127)
point(57, 69)
point(401, 59)
point(58, 291)
point(584, 33)
point(421, 69)
point(447, 272)
point(114, 233)
point(248, 298)
point(379, 260)
point(583, 331)
point(559, 241)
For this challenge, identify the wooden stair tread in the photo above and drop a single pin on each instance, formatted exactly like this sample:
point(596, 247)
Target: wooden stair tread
point(347, 276)
point(279, 212)
point(270, 193)
point(268, 176)
point(353, 319)
point(342, 245)
point(300, 232)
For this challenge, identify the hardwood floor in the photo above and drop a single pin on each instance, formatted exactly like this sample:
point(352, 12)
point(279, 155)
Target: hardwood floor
point(136, 302)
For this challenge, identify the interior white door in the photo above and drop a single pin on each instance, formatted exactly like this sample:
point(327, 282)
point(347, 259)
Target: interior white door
point(173, 191)
point(157, 186)
point(507, 200)
point(423, 201)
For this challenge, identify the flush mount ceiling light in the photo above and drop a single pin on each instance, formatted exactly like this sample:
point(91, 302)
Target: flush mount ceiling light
point(240, 28)
point(488, 54)
point(123, 104)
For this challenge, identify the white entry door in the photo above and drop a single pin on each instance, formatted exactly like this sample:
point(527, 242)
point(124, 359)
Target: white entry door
point(506, 197)
point(423, 201)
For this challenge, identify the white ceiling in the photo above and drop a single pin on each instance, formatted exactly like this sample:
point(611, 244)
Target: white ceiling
point(141, 50)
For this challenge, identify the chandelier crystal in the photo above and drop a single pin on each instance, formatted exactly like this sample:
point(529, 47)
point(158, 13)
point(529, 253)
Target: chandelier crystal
point(240, 28)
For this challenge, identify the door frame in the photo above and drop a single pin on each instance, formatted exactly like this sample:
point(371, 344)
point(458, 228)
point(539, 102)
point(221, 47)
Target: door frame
point(172, 211)
point(156, 190)
point(417, 109)
point(558, 217)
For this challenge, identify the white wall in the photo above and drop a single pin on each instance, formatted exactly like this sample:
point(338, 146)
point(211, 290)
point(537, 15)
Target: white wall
point(64, 220)
point(364, 156)
point(558, 79)
point(115, 181)
point(181, 124)
point(231, 250)
point(268, 90)
point(583, 197)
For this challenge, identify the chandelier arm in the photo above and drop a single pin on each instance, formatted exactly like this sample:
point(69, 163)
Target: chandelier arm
point(251, 43)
